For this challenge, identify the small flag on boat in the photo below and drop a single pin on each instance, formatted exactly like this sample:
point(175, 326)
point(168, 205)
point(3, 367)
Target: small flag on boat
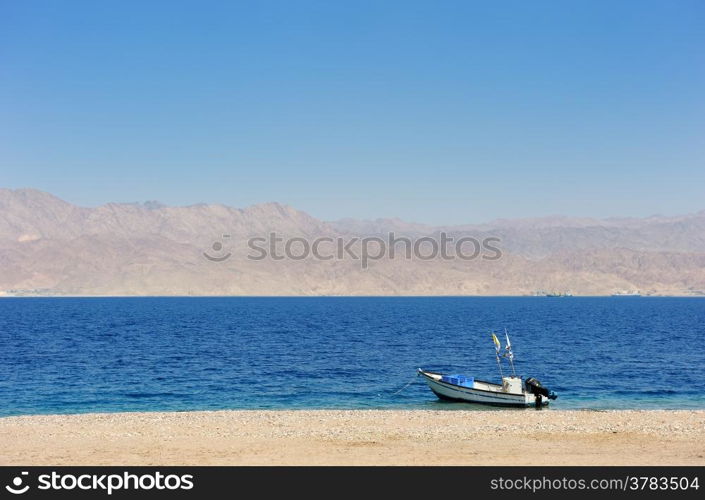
point(508, 348)
point(497, 345)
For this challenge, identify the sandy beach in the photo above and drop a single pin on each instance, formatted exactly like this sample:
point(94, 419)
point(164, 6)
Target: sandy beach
point(357, 437)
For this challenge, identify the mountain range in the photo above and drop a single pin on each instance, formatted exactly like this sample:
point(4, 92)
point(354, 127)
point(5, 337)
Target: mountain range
point(51, 247)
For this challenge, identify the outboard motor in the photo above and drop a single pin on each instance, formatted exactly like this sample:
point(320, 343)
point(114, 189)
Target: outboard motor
point(535, 388)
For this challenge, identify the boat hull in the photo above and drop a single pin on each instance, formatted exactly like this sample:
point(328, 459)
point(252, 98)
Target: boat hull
point(492, 395)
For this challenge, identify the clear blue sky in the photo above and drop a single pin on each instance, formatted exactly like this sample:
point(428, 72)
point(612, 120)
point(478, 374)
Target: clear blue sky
point(433, 111)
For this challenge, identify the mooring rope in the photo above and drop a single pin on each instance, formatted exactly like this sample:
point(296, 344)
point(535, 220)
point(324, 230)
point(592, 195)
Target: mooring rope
point(405, 386)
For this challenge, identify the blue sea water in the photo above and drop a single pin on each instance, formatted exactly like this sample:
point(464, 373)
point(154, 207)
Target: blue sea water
point(70, 355)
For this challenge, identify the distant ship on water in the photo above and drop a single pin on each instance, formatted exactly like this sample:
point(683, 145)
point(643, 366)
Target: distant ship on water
point(633, 293)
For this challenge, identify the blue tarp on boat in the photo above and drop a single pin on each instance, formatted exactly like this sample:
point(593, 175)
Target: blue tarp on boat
point(461, 380)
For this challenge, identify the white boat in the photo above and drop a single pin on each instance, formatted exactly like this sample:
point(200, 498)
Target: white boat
point(512, 392)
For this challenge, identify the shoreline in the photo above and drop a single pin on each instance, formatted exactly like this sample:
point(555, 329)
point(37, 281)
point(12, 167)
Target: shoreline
point(578, 296)
point(452, 408)
point(358, 437)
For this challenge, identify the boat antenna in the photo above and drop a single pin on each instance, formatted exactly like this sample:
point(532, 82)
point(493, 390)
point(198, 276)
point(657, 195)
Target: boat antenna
point(509, 354)
point(497, 347)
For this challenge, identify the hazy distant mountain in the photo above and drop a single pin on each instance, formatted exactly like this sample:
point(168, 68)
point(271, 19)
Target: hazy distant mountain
point(49, 246)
